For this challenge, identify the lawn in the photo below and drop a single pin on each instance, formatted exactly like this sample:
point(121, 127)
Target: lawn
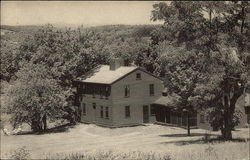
point(91, 139)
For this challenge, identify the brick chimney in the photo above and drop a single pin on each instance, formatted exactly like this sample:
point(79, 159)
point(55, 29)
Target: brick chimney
point(116, 63)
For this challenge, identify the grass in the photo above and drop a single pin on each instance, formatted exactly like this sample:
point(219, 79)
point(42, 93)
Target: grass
point(110, 155)
point(140, 142)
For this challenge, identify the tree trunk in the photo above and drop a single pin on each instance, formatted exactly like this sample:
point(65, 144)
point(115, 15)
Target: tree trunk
point(188, 124)
point(36, 125)
point(229, 108)
point(210, 20)
point(227, 130)
point(44, 122)
point(242, 20)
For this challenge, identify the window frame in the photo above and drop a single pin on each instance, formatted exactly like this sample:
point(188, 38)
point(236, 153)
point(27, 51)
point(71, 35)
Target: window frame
point(83, 90)
point(127, 91)
point(127, 112)
point(151, 89)
point(101, 111)
point(84, 109)
point(101, 92)
point(106, 112)
point(106, 92)
point(80, 98)
point(138, 78)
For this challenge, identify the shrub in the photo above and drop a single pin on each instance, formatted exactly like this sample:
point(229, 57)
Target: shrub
point(20, 154)
point(215, 118)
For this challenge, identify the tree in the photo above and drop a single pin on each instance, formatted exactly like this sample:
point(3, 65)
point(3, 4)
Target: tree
point(219, 31)
point(68, 54)
point(35, 97)
point(183, 76)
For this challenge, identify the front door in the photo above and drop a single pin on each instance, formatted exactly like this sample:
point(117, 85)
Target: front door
point(145, 114)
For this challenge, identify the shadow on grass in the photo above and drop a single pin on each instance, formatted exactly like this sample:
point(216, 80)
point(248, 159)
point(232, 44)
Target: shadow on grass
point(185, 135)
point(202, 141)
point(57, 129)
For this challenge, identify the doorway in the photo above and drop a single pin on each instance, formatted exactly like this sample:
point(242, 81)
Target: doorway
point(145, 114)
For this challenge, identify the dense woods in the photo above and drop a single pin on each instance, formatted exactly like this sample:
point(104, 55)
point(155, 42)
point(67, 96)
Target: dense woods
point(202, 51)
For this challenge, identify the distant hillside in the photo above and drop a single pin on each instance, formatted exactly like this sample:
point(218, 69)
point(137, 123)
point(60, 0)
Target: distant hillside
point(26, 29)
point(132, 30)
point(17, 34)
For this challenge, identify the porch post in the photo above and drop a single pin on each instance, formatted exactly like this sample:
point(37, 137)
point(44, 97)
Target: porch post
point(188, 124)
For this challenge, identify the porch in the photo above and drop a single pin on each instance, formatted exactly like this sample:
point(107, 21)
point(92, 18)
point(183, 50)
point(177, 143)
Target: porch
point(165, 113)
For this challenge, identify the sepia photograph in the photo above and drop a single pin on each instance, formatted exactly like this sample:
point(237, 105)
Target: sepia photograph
point(125, 80)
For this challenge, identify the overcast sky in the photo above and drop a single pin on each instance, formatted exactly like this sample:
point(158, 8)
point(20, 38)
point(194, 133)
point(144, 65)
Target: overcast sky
point(78, 12)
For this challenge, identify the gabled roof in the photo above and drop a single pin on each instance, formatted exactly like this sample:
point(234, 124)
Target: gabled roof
point(103, 75)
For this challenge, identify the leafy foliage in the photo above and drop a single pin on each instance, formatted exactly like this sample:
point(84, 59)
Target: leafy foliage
point(219, 32)
point(33, 95)
point(65, 54)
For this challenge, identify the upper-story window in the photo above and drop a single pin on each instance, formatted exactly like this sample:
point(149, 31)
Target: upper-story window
point(106, 92)
point(80, 97)
point(138, 76)
point(78, 87)
point(151, 90)
point(83, 89)
point(101, 92)
point(127, 91)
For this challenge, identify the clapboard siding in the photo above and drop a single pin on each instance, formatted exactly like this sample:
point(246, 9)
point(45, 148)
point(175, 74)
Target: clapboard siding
point(139, 96)
point(94, 115)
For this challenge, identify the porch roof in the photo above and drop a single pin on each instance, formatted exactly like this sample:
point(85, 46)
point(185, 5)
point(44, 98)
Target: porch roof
point(166, 101)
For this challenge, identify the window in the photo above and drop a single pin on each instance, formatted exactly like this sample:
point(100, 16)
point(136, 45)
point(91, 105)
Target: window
point(93, 91)
point(127, 91)
point(138, 76)
point(101, 92)
point(107, 113)
point(127, 111)
point(106, 92)
point(78, 87)
point(202, 118)
point(101, 111)
point(94, 105)
point(152, 110)
point(80, 98)
point(83, 90)
point(151, 89)
point(80, 110)
point(83, 109)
